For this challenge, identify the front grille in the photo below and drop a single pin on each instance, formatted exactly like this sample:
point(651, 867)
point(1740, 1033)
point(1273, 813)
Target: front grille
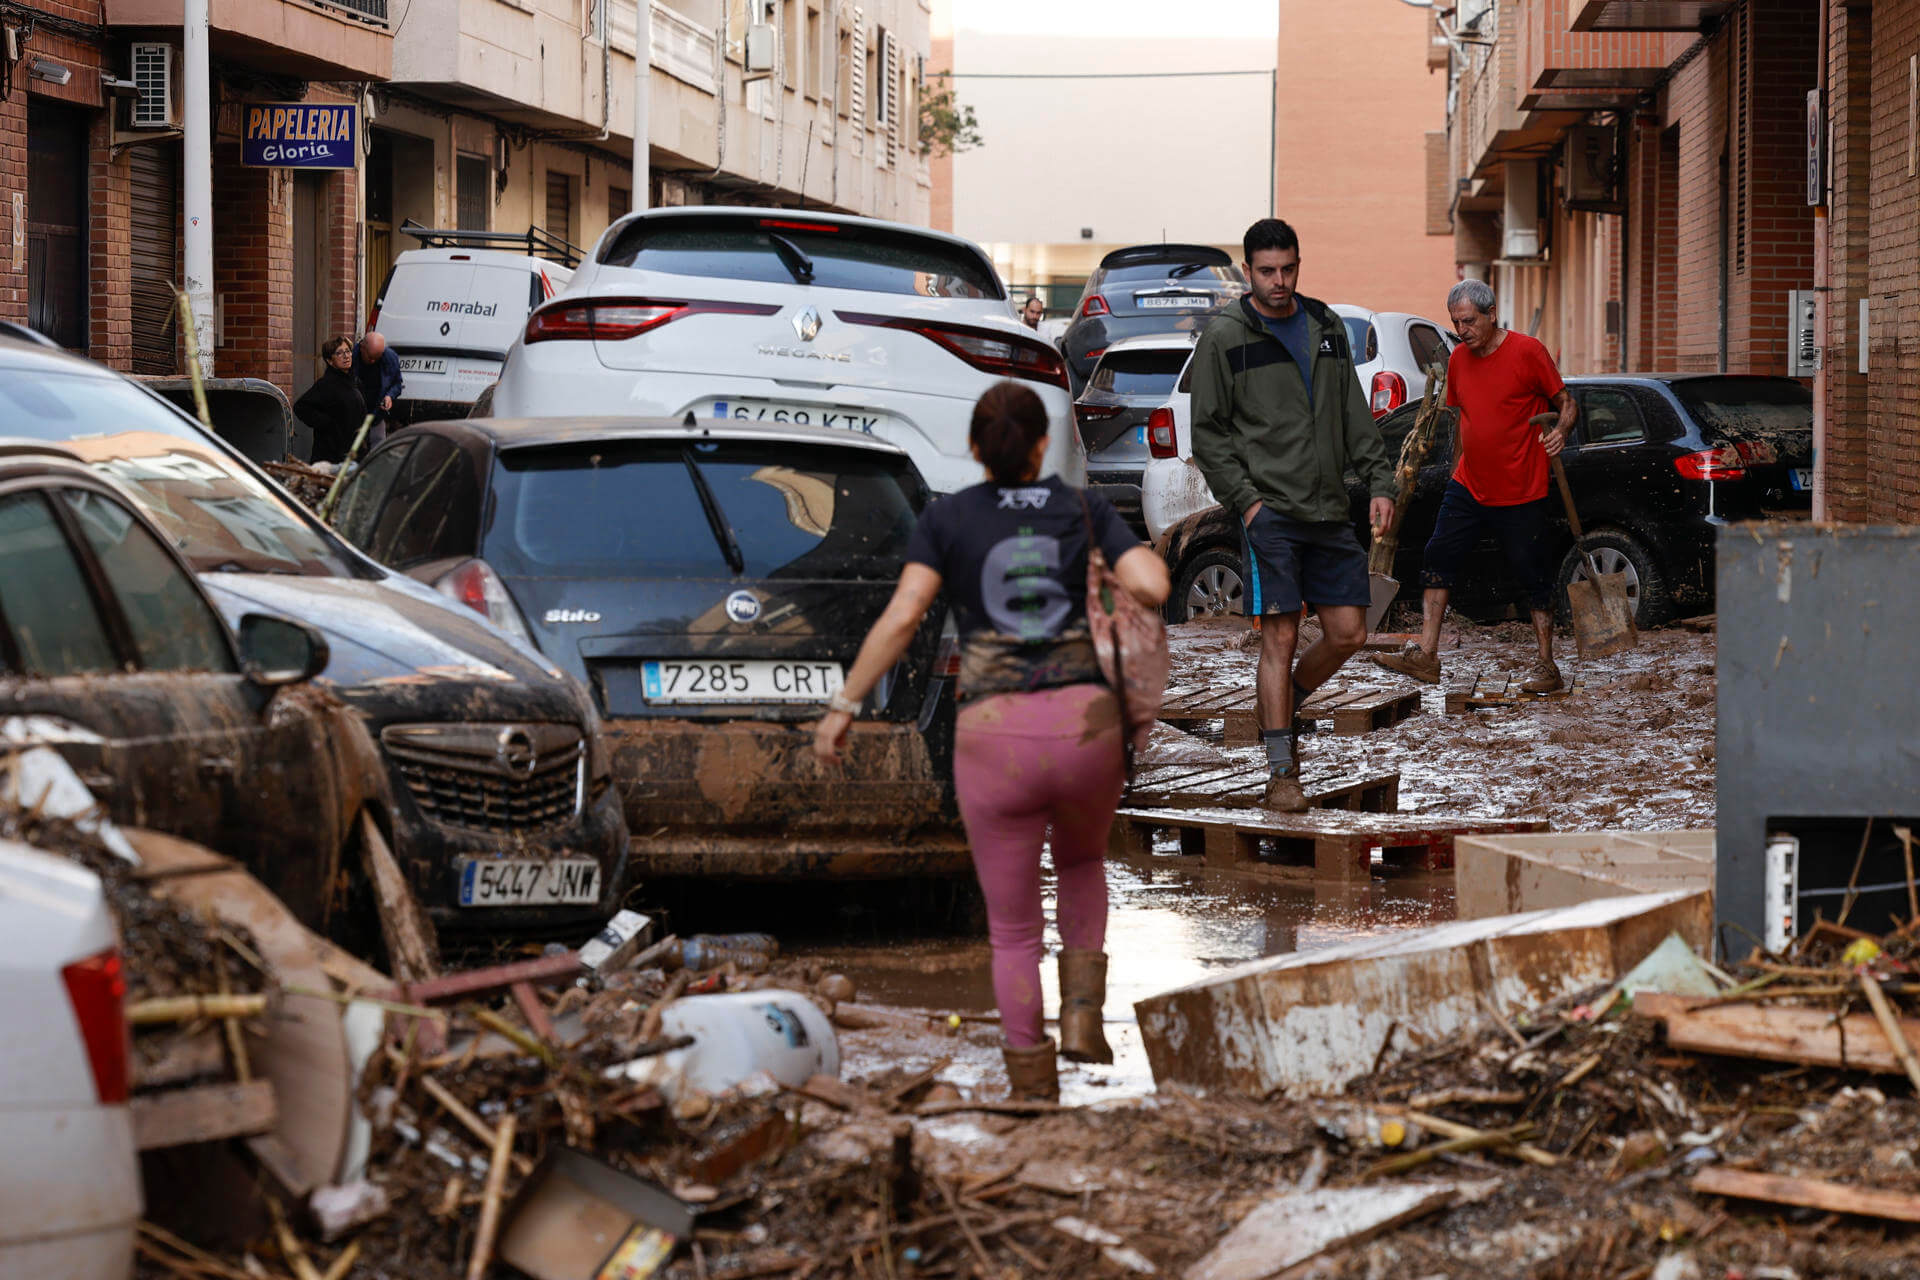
point(460, 776)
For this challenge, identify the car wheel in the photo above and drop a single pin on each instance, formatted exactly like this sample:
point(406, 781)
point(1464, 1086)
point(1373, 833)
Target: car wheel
point(1211, 584)
point(1614, 551)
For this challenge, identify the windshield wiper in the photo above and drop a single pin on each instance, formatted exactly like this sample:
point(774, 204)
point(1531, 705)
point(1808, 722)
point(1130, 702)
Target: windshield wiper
point(716, 518)
point(794, 257)
point(1186, 269)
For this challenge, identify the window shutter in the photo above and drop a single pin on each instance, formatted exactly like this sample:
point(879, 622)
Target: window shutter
point(890, 60)
point(857, 73)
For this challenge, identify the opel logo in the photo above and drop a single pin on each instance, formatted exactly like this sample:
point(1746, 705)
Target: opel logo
point(742, 606)
point(515, 752)
point(807, 323)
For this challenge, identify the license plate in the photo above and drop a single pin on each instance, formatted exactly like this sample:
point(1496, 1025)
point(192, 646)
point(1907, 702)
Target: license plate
point(758, 680)
point(1174, 300)
point(800, 415)
point(1801, 478)
point(522, 882)
point(422, 364)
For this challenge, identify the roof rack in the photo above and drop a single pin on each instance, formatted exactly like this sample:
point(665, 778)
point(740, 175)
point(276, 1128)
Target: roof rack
point(537, 243)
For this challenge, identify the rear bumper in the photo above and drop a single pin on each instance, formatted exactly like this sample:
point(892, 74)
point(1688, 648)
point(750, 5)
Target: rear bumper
point(818, 856)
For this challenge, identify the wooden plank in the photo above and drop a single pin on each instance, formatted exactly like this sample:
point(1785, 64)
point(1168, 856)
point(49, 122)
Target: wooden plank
point(1294, 1226)
point(1241, 729)
point(204, 1114)
point(1338, 843)
point(412, 946)
point(1808, 1037)
point(1809, 1193)
point(1378, 712)
point(186, 1056)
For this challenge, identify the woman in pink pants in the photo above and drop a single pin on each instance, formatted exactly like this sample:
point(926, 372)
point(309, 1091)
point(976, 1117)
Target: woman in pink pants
point(1038, 744)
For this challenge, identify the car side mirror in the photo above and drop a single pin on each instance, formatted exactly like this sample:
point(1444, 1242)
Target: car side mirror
point(277, 651)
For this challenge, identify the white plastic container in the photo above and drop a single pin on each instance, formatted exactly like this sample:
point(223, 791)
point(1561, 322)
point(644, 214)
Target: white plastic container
point(736, 1036)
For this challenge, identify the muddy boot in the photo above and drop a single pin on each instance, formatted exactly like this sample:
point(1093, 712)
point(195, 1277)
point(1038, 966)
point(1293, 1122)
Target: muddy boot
point(1284, 794)
point(1543, 678)
point(1083, 996)
point(1411, 661)
point(1033, 1073)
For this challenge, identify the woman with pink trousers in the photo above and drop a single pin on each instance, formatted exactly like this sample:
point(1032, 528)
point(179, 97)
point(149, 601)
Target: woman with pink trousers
point(1038, 744)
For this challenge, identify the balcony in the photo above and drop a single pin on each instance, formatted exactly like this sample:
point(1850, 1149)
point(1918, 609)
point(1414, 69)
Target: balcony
point(1555, 57)
point(304, 39)
point(1647, 15)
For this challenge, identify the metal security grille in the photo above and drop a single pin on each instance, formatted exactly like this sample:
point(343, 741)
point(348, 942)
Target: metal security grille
point(374, 11)
point(153, 86)
point(154, 226)
point(560, 205)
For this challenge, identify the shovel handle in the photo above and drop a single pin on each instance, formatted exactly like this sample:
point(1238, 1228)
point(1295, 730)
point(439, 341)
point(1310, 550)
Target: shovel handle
point(1566, 498)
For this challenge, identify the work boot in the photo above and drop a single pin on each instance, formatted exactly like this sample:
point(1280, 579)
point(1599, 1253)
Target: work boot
point(1284, 794)
point(1411, 661)
point(1083, 996)
point(1033, 1073)
point(1543, 678)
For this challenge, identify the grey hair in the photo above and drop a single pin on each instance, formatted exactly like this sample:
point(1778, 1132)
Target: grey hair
point(1478, 292)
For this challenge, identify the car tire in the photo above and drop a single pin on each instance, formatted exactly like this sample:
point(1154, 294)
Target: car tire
point(1616, 551)
point(1210, 584)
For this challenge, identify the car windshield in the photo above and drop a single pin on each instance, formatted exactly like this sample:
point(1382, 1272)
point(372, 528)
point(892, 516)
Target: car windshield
point(1139, 373)
point(787, 251)
point(1747, 408)
point(216, 513)
point(635, 510)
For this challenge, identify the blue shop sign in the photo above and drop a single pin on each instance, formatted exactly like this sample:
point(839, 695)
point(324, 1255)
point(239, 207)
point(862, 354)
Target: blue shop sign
point(301, 135)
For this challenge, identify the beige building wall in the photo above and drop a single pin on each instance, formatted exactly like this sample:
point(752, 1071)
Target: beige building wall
point(1355, 102)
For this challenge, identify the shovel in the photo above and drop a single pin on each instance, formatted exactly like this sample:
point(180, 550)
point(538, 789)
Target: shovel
point(1602, 614)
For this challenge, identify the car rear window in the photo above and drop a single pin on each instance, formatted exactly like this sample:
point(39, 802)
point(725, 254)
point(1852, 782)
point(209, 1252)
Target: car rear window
point(877, 260)
point(1138, 373)
point(1746, 408)
point(634, 510)
point(1361, 338)
point(215, 512)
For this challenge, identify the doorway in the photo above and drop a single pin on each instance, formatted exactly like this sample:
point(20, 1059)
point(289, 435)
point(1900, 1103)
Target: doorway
point(154, 218)
point(310, 277)
point(57, 154)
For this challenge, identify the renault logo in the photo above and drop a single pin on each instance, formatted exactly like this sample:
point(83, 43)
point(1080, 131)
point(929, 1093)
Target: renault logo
point(515, 752)
point(807, 323)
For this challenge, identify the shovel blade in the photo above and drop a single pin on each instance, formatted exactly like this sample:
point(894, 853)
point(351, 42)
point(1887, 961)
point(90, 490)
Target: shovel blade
point(1602, 615)
point(1384, 589)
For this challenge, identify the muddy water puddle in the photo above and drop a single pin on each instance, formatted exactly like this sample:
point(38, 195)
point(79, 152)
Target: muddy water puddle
point(1167, 925)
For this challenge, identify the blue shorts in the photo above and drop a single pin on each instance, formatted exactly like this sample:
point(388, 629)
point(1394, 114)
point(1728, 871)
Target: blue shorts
point(1524, 532)
point(1291, 562)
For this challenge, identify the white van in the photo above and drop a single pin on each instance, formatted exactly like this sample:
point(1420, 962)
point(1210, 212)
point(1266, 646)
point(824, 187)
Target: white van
point(451, 310)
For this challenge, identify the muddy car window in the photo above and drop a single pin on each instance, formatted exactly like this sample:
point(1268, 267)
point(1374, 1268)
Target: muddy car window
point(171, 625)
point(635, 510)
point(50, 613)
point(1747, 408)
point(431, 509)
point(361, 497)
point(216, 514)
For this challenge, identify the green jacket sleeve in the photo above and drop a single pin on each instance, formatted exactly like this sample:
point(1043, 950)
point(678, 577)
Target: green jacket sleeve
point(1366, 448)
point(1216, 447)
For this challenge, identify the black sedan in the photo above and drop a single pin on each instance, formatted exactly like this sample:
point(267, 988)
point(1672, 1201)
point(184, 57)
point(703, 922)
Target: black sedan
point(1657, 463)
point(710, 583)
point(1149, 288)
point(499, 804)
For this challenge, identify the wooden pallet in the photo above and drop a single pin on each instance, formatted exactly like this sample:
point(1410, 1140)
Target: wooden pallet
point(1476, 693)
point(1319, 844)
point(1242, 786)
point(1353, 711)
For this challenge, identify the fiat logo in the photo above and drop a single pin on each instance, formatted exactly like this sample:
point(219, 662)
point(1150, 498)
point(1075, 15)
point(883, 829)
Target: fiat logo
point(807, 323)
point(742, 606)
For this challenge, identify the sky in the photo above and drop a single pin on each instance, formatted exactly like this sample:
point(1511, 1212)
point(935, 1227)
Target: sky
point(1257, 19)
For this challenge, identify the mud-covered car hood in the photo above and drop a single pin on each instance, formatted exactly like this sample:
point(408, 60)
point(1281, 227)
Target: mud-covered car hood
point(396, 655)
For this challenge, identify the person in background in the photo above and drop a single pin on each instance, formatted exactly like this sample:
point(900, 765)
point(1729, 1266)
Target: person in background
point(1033, 311)
point(381, 386)
point(333, 406)
point(1038, 742)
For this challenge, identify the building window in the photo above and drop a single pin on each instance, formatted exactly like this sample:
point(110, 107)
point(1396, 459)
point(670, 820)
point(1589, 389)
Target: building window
point(877, 79)
point(559, 205)
point(817, 86)
point(790, 33)
point(57, 222)
point(619, 203)
point(470, 173)
point(844, 72)
point(595, 25)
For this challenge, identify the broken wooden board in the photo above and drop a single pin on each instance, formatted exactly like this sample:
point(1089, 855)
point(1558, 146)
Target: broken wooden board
point(1808, 1193)
point(1327, 843)
point(1290, 1228)
point(1245, 785)
point(1311, 1022)
point(1477, 693)
point(206, 1113)
point(1775, 1033)
point(1361, 709)
point(1500, 875)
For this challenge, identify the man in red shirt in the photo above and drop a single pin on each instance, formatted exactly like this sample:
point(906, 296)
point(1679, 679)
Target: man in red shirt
point(1498, 380)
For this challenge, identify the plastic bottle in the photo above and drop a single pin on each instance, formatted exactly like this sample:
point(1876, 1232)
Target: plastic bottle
point(736, 1035)
point(745, 950)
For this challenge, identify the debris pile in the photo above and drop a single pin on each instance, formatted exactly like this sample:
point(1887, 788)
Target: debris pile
point(308, 483)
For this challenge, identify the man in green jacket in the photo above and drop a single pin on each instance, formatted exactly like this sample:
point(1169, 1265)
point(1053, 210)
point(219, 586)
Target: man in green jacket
point(1278, 419)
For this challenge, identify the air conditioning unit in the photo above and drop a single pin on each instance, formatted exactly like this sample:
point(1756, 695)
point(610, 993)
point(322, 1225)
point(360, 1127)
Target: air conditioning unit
point(1803, 343)
point(1588, 179)
point(761, 40)
point(1521, 224)
point(153, 106)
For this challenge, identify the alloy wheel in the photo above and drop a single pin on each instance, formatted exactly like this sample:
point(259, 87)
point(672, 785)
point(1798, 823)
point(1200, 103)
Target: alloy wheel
point(1614, 560)
point(1217, 589)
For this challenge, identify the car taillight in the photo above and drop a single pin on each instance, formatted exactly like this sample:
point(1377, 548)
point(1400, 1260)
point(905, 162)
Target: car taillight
point(1095, 305)
point(1389, 392)
point(985, 349)
point(1722, 463)
point(617, 319)
point(373, 319)
point(475, 585)
point(1160, 434)
point(96, 989)
point(1757, 453)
